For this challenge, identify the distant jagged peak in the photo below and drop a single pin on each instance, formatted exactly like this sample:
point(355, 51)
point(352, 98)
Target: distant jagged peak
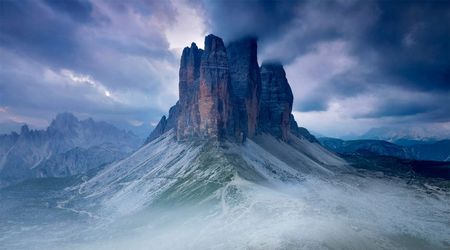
point(24, 130)
point(64, 122)
point(66, 117)
point(67, 124)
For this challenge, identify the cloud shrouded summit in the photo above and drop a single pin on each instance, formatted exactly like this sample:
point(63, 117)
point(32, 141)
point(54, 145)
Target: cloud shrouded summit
point(352, 65)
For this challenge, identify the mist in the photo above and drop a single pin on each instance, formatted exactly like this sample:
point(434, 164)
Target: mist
point(346, 212)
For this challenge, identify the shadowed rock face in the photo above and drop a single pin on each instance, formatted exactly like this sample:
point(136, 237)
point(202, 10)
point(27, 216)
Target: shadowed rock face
point(245, 83)
point(276, 101)
point(224, 94)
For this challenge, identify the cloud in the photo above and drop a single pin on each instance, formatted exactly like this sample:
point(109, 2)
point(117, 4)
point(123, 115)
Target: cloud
point(395, 108)
point(106, 59)
point(188, 26)
point(79, 10)
point(328, 71)
point(265, 19)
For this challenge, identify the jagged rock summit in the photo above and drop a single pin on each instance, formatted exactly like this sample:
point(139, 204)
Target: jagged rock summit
point(225, 94)
point(67, 147)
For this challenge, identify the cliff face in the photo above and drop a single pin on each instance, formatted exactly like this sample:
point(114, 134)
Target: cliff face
point(225, 94)
point(245, 83)
point(276, 101)
point(215, 105)
point(189, 120)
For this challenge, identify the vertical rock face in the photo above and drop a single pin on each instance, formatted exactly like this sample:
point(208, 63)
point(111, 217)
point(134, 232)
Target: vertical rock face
point(225, 94)
point(189, 120)
point(276, 101)
point(214, 102)
point(245, 83)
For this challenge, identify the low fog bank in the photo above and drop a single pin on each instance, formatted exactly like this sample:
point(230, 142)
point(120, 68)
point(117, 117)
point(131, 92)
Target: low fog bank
point(347, 212)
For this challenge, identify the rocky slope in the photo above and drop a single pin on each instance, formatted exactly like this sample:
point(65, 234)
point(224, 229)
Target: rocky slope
point(67, 147)
point(191, 171)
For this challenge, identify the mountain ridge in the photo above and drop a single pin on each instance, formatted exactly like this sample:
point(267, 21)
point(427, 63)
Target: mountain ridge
point(397, 134)
point(431, 151)
point(68, 146)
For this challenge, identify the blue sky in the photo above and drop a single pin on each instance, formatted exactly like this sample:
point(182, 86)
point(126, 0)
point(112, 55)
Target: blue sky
point(352, 65)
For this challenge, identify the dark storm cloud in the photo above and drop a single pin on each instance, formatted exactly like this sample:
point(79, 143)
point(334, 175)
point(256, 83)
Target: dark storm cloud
point(412, 40)
point(79, 10)
point(395, 108)
point(52, 31)
point(295, 24)
point(264, 19)
point(32, 29)
point(314, 104)
point(342, 85)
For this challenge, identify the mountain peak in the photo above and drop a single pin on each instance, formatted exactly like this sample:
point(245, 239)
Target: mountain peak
point(64, 122)
point(24, 129)
point(65, 118)
point(225, 94)
point(214, 43)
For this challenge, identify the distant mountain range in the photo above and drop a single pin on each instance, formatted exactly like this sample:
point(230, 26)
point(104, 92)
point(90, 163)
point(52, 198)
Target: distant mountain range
point(10, 126)
point(407, 135)
point(67, 147)
point(406, 149)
